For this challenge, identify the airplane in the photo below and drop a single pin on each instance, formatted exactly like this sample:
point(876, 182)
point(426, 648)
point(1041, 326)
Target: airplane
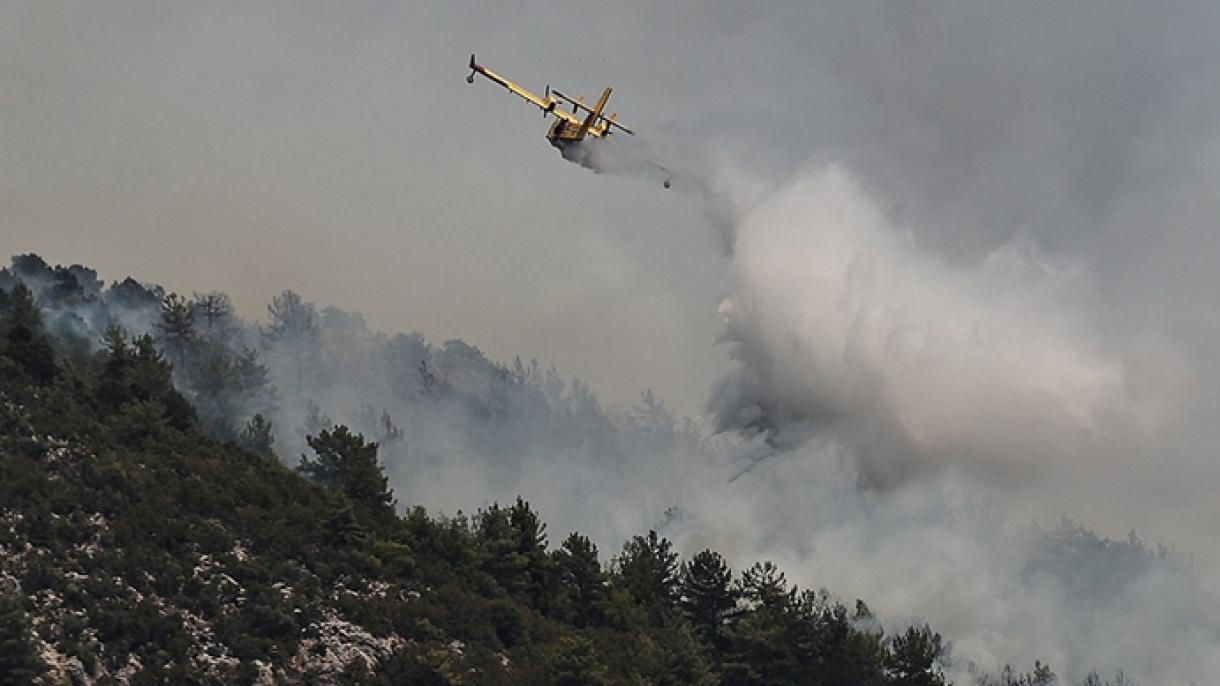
point(570, 129)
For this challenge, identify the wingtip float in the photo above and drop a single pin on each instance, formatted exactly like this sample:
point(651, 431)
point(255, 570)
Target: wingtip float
point(570, 129)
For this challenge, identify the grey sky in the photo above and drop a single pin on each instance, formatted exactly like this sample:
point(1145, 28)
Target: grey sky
point(338, 151)
point(335, 149)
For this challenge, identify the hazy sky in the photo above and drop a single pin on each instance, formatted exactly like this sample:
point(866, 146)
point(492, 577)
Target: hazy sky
point(336, 149)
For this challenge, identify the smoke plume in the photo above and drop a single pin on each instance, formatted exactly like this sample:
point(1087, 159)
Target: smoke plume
point(921, 420)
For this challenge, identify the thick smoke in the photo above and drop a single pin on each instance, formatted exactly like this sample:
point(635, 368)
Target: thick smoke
point(839, 319)
point(939, 532)
point(917, 430)
point(920, 414)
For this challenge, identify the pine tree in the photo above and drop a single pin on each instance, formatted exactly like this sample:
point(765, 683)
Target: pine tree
point(759, 650)
point(26, 344)
point(575, 663)
point(19, 662)
point(581, 583)
point(648, 570)
point(246, 389)
point(512, 548)
point(257, 436)
point(292, 328)
point(112, 388)
point(345, 462)
point(215, 310)
point(498, 553)
point(212, 378)
point(765, 585)
point(151, 378)
point(176, 327)
point(844, 654)
point(912, 658)
point(342, 528)
point(671, 656)
point(707, 595)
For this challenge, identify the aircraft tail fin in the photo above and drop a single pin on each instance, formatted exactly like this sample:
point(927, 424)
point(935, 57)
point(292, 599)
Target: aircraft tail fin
point(594, 113)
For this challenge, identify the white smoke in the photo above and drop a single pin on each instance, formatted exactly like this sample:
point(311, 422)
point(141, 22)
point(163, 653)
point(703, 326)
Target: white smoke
point(923, 414)
point(619, 155)
point(838, 317)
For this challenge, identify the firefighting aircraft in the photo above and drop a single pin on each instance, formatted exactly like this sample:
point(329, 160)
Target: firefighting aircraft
point(570, 129)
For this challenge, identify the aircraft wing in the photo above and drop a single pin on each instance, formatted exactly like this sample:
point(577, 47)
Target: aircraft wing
point(580, 105)
point(545, 103)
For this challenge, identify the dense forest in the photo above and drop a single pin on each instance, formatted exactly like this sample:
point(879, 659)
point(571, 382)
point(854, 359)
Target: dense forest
point(157, 524)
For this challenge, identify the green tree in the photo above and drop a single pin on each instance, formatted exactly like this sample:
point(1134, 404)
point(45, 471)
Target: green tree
point(529, 534)
point(671, 656)
point(345, 462)
point(26, 343)
point(19, 661)
point(252, 381)
point(257, 436)
point(151, 378)
point(117, 359)
point(575, 663)
point(912, 658)
point(512, 543)
point(176, 328)
point(342, 528)
point(228, 387)
point(759, 649)
point(212, 377)
point(707, 596)
point(423, 664)
point(764, 585)
point(580, 581)
point(138, 373)
point(647, 569)
point(840, 652)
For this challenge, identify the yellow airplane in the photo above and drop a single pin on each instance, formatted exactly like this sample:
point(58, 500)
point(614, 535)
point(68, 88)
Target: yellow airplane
point(570, 128)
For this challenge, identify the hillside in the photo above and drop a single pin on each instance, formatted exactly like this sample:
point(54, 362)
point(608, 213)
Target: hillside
point(142, 544)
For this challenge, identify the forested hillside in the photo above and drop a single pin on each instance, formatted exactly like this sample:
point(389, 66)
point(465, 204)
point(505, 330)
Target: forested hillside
point(147, 536)
point(448, 420)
